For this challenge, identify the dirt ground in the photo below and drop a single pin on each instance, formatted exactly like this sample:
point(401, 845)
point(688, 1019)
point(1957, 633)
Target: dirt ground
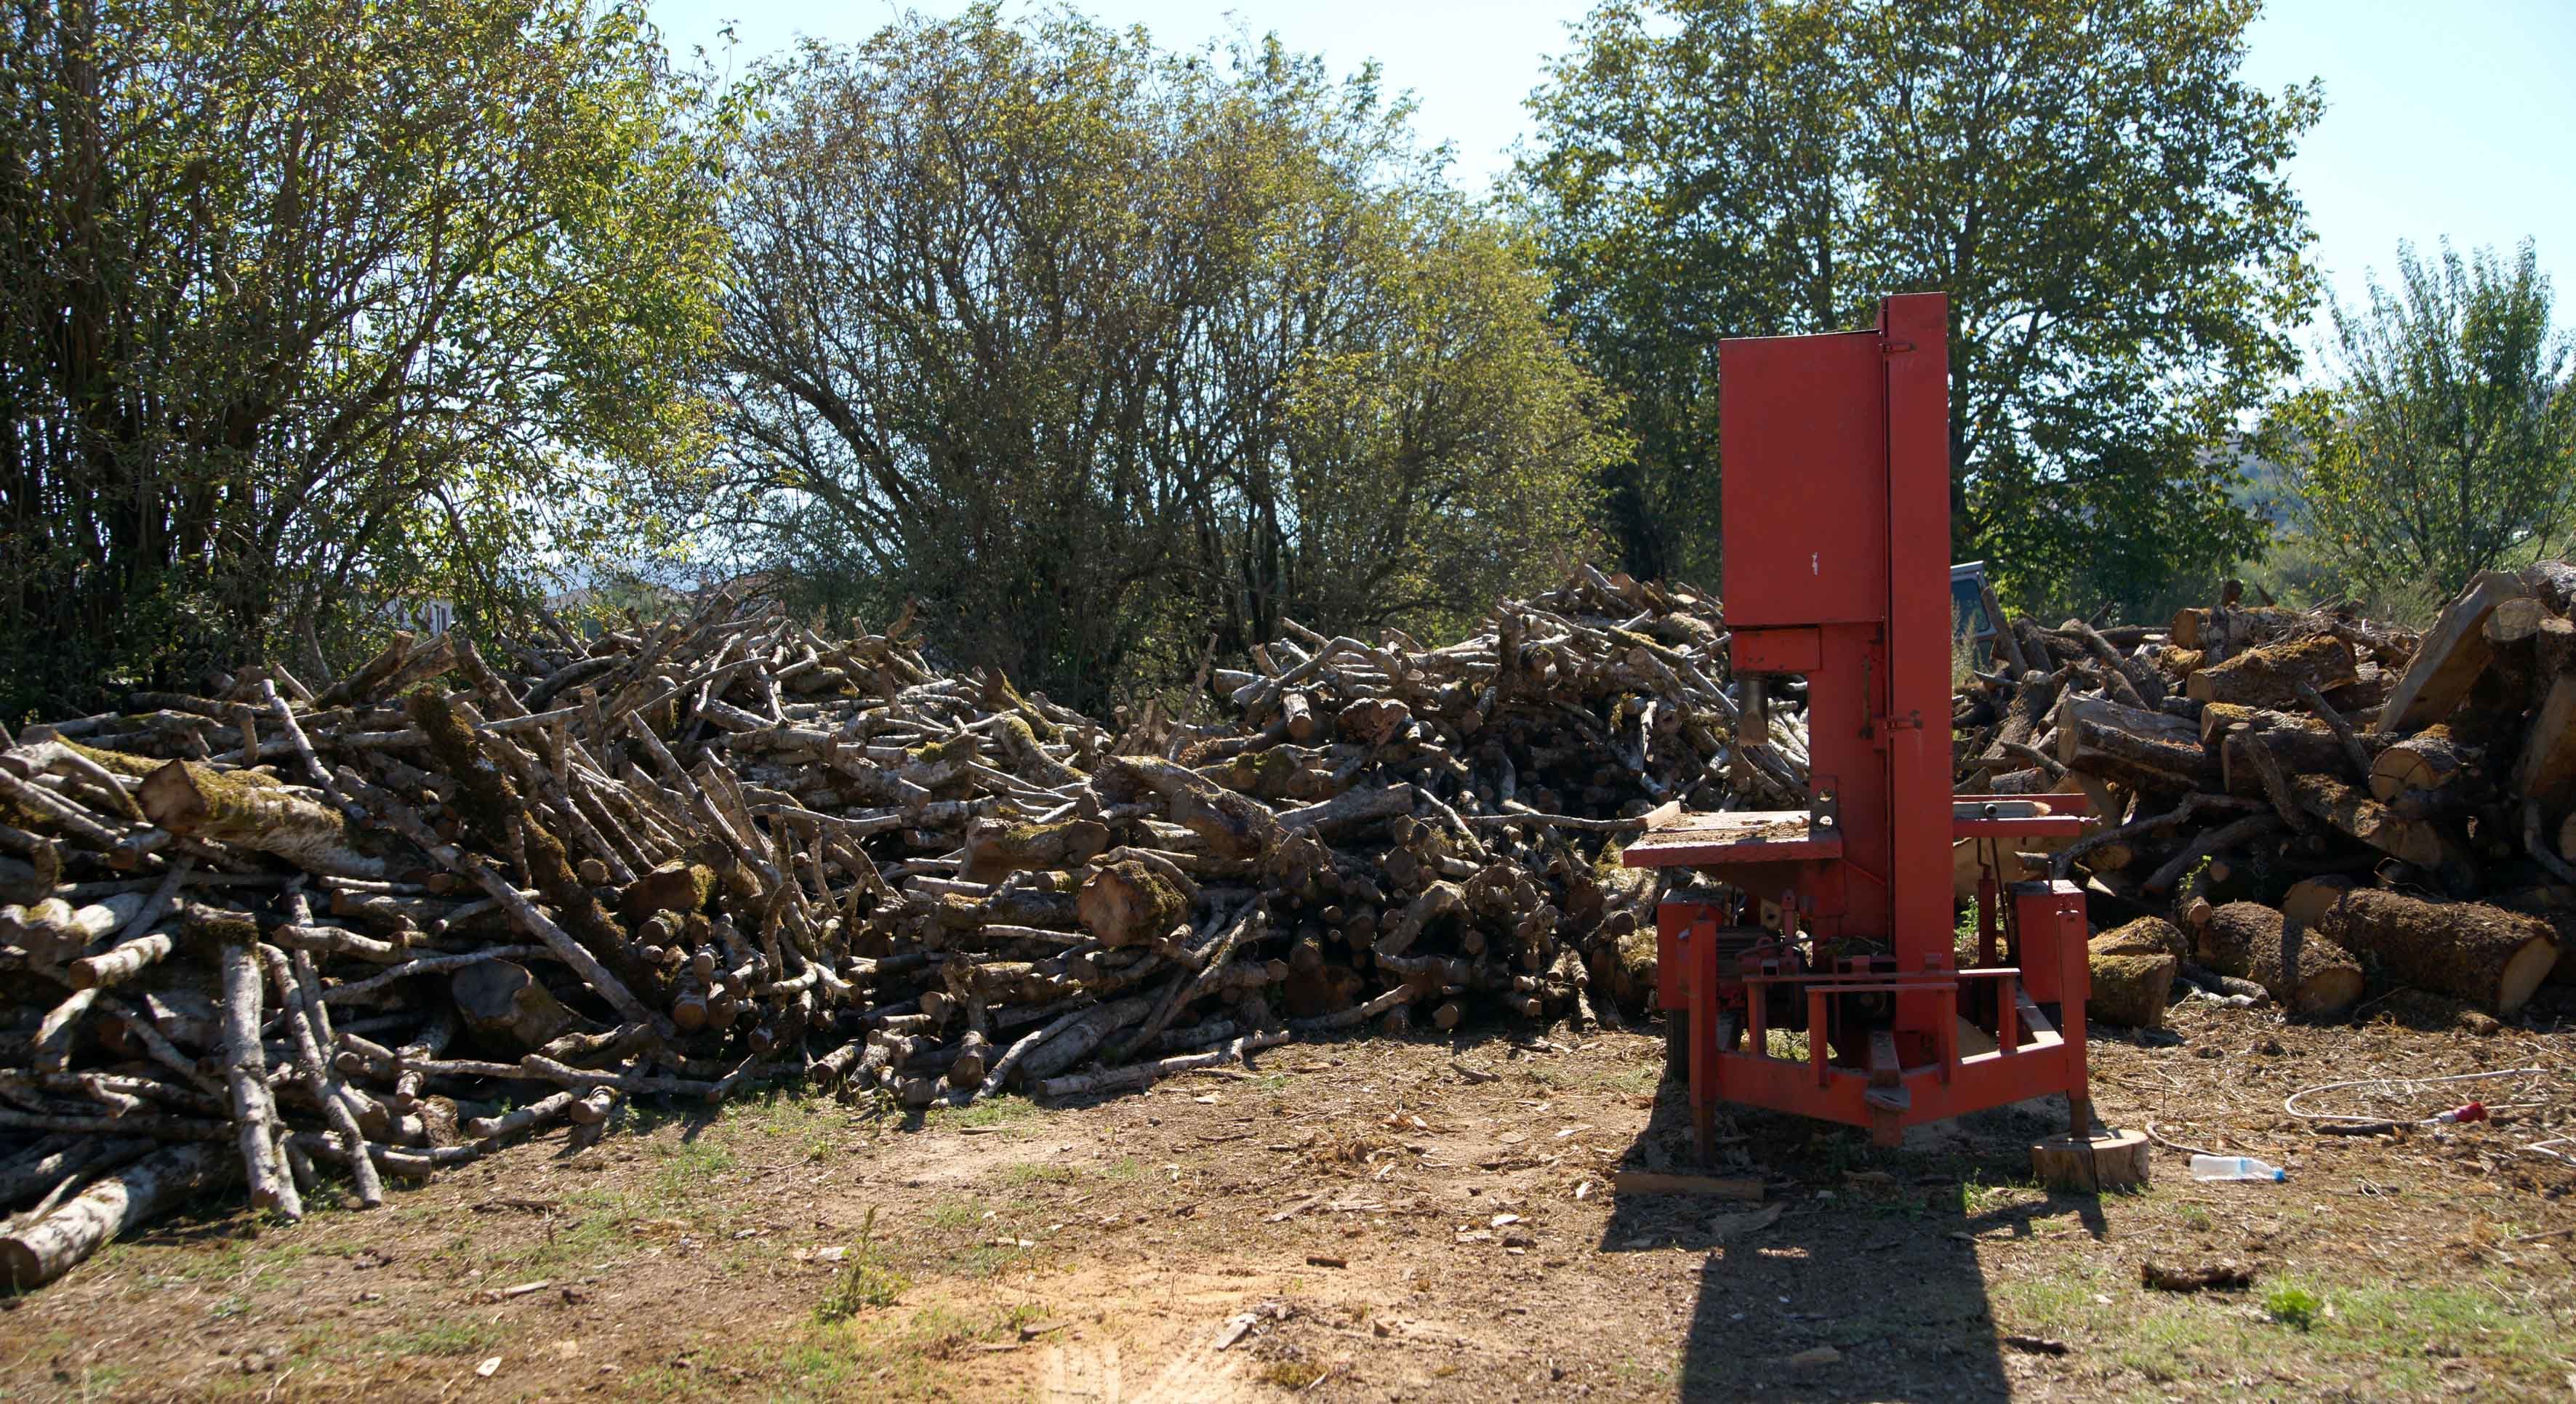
point(1428, 1219)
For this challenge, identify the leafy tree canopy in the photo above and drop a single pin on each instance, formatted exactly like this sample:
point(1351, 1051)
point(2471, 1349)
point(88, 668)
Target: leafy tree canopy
point(2448, 445)
point(1093, 348)
point(312, 305)
point(2099, 193)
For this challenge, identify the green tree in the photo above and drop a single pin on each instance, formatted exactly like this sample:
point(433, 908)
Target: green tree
point(2101, 196)
point(2449, 444)
point(312, 305)
point(1092, 348)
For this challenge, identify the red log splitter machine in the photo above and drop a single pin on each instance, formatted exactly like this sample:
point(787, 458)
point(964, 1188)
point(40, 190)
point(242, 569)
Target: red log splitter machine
point(1836, 921)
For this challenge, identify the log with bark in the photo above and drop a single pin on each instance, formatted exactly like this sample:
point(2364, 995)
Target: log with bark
point(2305, 972)
point(2491, 957)
point(2270, 676)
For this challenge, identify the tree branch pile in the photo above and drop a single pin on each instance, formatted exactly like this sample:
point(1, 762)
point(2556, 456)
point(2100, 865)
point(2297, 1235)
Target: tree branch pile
point(2326, 803)
point(390, 921)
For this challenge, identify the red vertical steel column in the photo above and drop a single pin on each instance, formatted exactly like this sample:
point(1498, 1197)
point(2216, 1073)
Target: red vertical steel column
point(1914, 330)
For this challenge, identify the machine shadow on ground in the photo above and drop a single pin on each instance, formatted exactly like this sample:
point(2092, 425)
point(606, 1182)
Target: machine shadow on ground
point(1856, 1278)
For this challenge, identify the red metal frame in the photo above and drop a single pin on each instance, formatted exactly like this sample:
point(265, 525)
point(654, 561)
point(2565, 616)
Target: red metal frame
point(1836, 498)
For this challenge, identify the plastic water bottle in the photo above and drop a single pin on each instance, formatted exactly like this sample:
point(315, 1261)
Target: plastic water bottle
point(2234, 1167)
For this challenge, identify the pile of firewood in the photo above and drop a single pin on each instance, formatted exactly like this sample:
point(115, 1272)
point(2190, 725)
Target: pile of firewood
point(2319, 804)
point(392, 920)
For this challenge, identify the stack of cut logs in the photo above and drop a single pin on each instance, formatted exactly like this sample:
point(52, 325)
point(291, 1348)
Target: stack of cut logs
point(388, 922)
point(2304, 804)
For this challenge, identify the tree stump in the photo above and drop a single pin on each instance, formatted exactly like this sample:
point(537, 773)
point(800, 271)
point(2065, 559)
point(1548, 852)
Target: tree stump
point(2091, 1164)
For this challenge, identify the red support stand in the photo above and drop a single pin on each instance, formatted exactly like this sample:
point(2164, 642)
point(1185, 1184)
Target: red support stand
point(1836, 498)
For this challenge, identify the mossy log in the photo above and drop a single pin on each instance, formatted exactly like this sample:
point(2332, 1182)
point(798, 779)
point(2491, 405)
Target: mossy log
point(2486, 955)
point(2305, 972)
point(249, 810)
point(1019, 743)
point(2555, 904)
point(677, 886)
point(579, 911)
point(2129, 988)
point(2145, 936)
point(2349, 811)
point(476, 790)
point(1232, 825)
point(1129, 904)
point(2269, 676)
point(995, 847)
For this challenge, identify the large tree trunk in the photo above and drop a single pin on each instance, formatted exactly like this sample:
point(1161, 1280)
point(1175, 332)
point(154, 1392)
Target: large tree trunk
point(2547, 769)
point(2270, 676)
point(2454, 652)
point(2556, 905)
point(2486, 955)
point(2306, 973)
point(249, 810)
point(2143, 750)
point(55, 1244)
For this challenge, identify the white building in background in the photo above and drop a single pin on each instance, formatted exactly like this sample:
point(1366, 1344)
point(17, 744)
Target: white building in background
point(433, 617)
point(429, 618)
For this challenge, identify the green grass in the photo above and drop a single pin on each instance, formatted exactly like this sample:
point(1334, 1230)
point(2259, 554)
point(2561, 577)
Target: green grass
point(865, 1281)
point(255, 1262)
point(1637, 1081)
point(100, 1381)
point(1037, 1172)
point(956, 1212)
point(596, 1226)
point(454, 1336)
point(687, 1173)
point(2356, 1339)
point(991, 1111)
point(891, 1354)
point(2292, 1305)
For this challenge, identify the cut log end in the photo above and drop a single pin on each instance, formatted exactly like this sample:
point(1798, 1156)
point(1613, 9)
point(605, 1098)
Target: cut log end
point(2091, 1164)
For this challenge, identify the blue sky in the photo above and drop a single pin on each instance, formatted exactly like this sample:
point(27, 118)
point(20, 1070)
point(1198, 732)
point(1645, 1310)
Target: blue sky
point(2454, 119)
